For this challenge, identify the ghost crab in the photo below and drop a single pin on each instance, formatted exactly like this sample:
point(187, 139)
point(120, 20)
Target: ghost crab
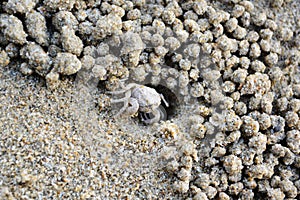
point(143, 99)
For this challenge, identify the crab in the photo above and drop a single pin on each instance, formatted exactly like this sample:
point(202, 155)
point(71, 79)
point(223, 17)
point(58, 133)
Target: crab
point(141, 99)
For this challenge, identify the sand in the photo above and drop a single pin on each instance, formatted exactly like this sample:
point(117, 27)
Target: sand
point(66, 144)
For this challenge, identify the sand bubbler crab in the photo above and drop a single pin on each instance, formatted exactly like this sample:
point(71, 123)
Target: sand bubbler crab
point(141, 99)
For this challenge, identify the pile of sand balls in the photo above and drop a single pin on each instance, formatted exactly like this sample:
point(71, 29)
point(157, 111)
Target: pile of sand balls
point(249, 76)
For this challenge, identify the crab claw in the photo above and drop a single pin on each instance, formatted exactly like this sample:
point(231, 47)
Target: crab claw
point(155, 116)
point(133, 107)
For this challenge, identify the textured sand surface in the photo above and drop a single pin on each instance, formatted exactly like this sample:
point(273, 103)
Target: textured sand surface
point(65, 144)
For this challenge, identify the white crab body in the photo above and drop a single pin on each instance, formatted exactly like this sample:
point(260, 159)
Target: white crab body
point(140, 98)
point(148, 99)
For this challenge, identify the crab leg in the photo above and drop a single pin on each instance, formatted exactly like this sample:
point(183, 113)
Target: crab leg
point(125, 100)
point(122, 109)
point(163, 113)
point(124, 89)
point(156, 117)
